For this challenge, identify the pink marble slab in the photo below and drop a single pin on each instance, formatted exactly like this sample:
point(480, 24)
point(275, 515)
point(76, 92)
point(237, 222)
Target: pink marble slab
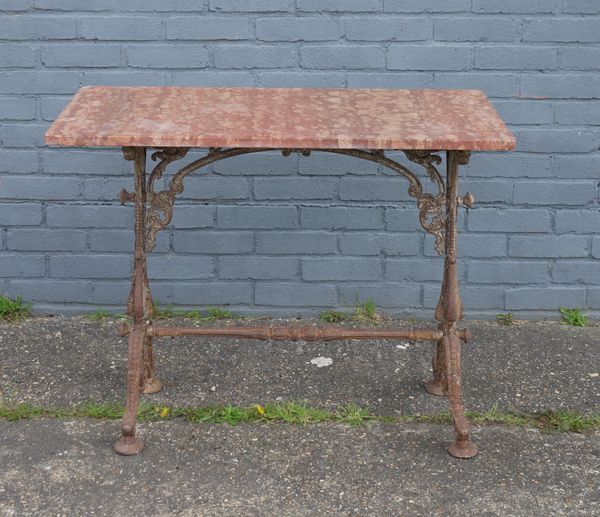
point(102, 116)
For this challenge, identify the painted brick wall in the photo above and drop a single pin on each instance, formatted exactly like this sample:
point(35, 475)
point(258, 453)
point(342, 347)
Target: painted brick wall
point(286, 235)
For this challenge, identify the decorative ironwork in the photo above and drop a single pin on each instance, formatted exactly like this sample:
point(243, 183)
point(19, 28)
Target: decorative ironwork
point(432, 211)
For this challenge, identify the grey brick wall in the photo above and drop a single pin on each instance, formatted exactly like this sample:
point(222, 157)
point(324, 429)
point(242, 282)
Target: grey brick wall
point(269, 234)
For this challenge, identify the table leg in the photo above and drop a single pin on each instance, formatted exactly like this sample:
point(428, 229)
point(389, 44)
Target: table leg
point(449, 311)
point(438, 385)
point(138, 307)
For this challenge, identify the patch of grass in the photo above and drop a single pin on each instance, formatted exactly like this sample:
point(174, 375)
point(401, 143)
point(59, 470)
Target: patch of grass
point(366, 311)
point(214, 313)
point(505, 319)
point(13, 309)
point(168, 312)
point(162, 312)
point(567, 421)
point(300, 413)
point(97, 315)
point(332, 317)
point(573, 317)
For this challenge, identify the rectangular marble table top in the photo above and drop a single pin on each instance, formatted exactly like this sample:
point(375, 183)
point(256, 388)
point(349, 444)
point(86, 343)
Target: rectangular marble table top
point(312, 118)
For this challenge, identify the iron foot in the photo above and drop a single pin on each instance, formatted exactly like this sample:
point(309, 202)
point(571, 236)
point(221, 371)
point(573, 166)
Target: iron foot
point(128, 445)
point(152, 386)
point(434, 388)
point(463, 449)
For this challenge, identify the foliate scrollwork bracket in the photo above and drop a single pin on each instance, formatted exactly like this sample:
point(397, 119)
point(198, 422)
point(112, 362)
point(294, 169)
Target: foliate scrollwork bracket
point(160, 204)
point(432, 208)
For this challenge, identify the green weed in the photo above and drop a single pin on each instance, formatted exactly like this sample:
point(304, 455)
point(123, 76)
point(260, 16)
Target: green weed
point(13, 309)
point(573, 317)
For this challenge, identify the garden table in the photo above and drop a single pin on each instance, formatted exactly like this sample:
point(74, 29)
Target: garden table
point(227, 122)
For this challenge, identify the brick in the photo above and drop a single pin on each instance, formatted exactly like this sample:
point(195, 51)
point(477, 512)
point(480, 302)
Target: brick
point(549, 298)
point(475, 29)
point(340, 5)
point(46, 240)
point(345, 57)
point(124, 78)
point(517, 57)
point(252, 6)
point(258, 268)
point(14, 161)
point(209, 28)
point(16, 5)
point(402, 220)
point(556, 140)
point(568, 30)
point(89, 216)
point(475, 245)
point(295, 295)
point(414, 270)
point(194, 216)
point(577, 221)
point(260, 164)
point(26, 27)
point(493, 84)
point(67, 161)
point(212, 293)
point(53, 291)
point(110, 293)
point(76, 5)
point(390, 80)
point(23, 135)
point(576, 272)
point(295, 188)
point(490, 191)
point(574, 166)
point(121, 27)
point(260, 217)
point(173, 267)
point(161, 5)
point(21, 265)
point(213, 242)
point(298, 29)
point(555, 192)
point(426, 6)
point(90, 266)
point(212, 78)
point(17, 108)
point(380, 243)
point(561, 86)
point(27, 187)
point(581, 6)
point(478, 298)
point(363, 189)
point(105, 189)
point(388, 296)
point(508, 272)
point(341, 268)
point(211, 187)
point(578, 113)
point(593, 298)
point(516, 6)
point(429, 57)
point(296, 243)
point(525, 112)
point(340, 218)
point(509, 220)
point(122, 241)
point(253, 56)
point(17, 55)
point(301, 79)
point(596, 247)
point(335, 165)
point(82, 55)
point(390, 28)
point(551, 246)
point(513, 165)
point(20, 214)
point(580, 58)
point(44, 82)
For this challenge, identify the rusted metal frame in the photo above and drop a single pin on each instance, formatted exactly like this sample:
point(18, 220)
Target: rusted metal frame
point(449, 311)
point(129, 444)
point(297, 333)
point(160, 204)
